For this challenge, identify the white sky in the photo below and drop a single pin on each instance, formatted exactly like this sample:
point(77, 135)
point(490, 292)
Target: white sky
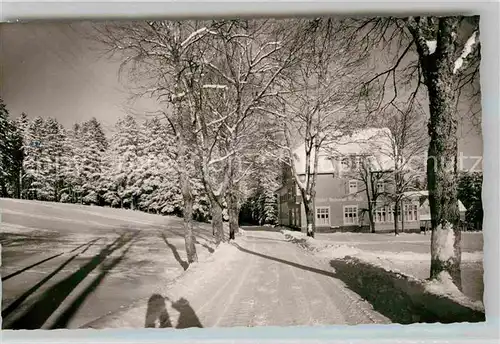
point(52, 69)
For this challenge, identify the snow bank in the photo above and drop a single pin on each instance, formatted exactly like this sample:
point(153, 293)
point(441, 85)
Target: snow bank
point(241, 232)
point(406, 299)
point(338, 251)
point(406, 264)
point(444, 286)
point(303, 240)
point(341, 251)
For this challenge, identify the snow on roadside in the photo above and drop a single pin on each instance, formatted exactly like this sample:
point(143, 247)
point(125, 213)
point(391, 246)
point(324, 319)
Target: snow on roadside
point(408, 263)
point(303, 240)
point(444, 286)
point(329, 250)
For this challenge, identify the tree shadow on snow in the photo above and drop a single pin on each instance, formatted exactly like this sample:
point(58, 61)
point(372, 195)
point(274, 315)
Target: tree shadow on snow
point(157, 315)
point(177, 257)
point(13, 306)
point(181, 234)
point(399, 298)
point(296, 265)
point(51, 299)
point(44, 260)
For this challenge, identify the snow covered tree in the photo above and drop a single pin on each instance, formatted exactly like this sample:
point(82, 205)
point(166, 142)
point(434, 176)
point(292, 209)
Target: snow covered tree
point(162, 60)
point(72, 191)
point(157, 175)
point(374, 181)
point(52, 155)
point(446, 53)
point(240, 67)
point(91, 145)
point(9, 158)
point(122, 166)
point(441, 65)
point(33, 164)
point(469, 192)
point(317, 104)
point(407, 150)
point(260, 205)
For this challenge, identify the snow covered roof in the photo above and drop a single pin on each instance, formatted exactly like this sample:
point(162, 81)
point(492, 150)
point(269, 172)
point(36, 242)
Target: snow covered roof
point(373, 142)
point(425, 193)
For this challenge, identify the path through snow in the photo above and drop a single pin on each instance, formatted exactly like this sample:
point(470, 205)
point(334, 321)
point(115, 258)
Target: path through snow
point(261, 280)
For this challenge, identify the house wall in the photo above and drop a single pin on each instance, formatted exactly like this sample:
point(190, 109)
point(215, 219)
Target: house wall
point(333, 193)
point(289, 209)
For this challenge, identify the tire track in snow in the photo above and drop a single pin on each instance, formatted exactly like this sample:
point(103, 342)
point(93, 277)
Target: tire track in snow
point(331, 307)
point(230, 309)
point(355, 306)
point(303, 303)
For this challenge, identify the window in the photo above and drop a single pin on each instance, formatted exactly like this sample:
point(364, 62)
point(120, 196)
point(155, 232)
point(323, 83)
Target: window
point(380, 187)
point(353, 186)
point(381, 215)
point(350, 215)
point(322, 216)
point(410, 212)
point(344, 165)
point(390, 213)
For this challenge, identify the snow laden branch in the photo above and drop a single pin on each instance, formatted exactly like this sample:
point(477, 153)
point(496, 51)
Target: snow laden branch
point(468, 49)
point(222, 158)
point(191, 38)
point(223, 87)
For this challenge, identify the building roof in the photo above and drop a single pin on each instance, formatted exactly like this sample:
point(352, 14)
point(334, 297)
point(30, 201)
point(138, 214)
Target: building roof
point(373, 142)
point(425, 193)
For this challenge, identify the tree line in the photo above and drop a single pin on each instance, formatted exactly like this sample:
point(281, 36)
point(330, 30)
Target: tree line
point(133, 168)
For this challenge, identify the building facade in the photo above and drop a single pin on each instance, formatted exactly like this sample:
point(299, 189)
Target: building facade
point(341, 200)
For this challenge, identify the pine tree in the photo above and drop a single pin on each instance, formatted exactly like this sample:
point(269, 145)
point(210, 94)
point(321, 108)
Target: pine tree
point(34, 178)
point(6, 149)
point(53, 156)
point(70, 166)
point(156, 178)
point(91, 148)
point(122, 164)
point(21, 125)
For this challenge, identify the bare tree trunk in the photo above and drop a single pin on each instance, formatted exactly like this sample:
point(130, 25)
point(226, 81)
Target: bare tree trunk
point(217, 221)
point(188, 201)
point(442, 164)
point(233, 212)
point(371, 219)
point(396, 218)
point(442, 180)
point(309, 209)
point(402, 216)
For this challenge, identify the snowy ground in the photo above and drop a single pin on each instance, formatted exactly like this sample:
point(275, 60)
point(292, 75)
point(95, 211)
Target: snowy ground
point(71, 266)
point(262, 280)
point(66, 265)
point(408, 254)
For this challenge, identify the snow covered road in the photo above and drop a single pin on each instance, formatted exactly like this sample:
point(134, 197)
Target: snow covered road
point(261, 280)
